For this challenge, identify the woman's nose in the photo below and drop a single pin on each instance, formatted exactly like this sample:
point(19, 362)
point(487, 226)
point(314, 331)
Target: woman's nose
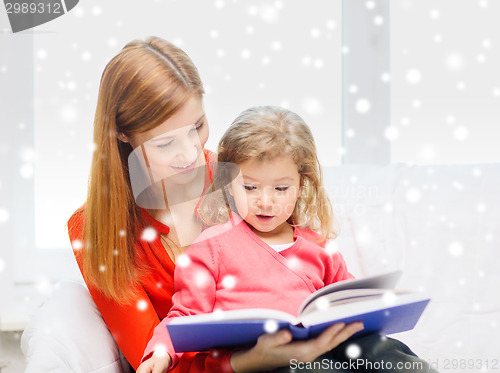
point(189, 149)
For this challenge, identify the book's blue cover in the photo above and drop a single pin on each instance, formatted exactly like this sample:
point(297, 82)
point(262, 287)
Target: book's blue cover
point(204, 336)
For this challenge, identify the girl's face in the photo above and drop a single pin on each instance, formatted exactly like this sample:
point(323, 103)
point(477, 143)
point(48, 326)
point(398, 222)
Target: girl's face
point(174, 149)
point(265, 193)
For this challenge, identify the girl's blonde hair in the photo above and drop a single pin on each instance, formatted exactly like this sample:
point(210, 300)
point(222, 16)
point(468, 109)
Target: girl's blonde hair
point(141, 87)
point(265, 133)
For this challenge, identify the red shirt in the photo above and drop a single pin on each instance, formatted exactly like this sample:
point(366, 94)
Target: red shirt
point(132, 325)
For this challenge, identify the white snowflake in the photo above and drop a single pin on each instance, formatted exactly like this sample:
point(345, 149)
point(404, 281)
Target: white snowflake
point(97, 11)
point(4, 215)
point(391, 133)
point(322, 304)
point(378, 20)
point(293, 263)
point(353, 351)
point(434, 14)
point(413, 195)
point(27, 171)
point(77, 244)
point(413, 76)
point(455, 62)
point(149, 234)
point(42, 54)
point(370, 4)
point(220, 53)
point(86, 56)
point(486, 43)
point(142, 305)
point(363, 106)
point(312, 106)
point(389, 297)
point(330, 24)
point(201, 279)
point(271, 326)
point(68, 113)
point(364, 235)
point(315, 33)
point(183, 261)
point(456, 249)
point(160, 350)
point(461, 133)
point(245, 54)
point(229, 282)
point(331, 247)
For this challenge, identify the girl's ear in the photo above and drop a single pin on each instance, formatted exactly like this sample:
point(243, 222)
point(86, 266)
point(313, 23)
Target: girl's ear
point(299, 191)
point(122, 137)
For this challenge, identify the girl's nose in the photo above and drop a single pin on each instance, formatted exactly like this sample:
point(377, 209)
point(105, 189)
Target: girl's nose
point(266, 197)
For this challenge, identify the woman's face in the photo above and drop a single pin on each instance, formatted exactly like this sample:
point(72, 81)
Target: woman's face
point(173, 151)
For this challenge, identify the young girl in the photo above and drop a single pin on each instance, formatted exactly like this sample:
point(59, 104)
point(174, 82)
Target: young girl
point(273, 218)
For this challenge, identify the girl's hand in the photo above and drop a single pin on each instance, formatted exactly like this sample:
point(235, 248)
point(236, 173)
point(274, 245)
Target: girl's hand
point(158, 363)
point(276, 350)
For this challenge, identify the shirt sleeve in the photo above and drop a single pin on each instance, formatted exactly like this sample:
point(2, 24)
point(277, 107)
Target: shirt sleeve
point(195, 281)
point(132, 325)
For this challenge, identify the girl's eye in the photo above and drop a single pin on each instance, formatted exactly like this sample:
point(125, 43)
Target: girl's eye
point(281, 189)
point(249, 187)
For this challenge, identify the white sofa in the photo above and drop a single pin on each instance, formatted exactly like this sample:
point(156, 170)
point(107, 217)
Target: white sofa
point(439, 224)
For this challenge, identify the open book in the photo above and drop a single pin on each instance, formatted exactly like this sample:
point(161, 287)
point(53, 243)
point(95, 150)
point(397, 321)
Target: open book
point(371, 300)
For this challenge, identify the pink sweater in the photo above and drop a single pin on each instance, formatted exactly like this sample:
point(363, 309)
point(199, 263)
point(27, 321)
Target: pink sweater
point(228, 267)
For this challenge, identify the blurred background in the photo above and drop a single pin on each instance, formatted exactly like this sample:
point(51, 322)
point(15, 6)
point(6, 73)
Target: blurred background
point(379, 82)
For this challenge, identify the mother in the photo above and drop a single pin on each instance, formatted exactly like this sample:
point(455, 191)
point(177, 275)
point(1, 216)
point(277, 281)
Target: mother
point(150, 110)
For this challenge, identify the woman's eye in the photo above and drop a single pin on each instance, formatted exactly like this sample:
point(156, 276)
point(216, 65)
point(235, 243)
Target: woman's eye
point(163, 146)
point(198, 126)
point(249, 187)
point(281, 189)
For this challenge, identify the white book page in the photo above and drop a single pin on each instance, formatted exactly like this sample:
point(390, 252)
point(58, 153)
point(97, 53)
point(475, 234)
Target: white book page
point(235, 315)
point(357, 308)
point(383, 281)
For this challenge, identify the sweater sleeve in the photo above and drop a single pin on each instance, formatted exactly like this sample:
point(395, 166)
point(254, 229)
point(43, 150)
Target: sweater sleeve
point(132, 325)
point(336, 269)
point(195, 281)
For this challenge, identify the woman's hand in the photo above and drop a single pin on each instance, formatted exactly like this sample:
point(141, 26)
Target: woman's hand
point(158, 363)
point(276, 350)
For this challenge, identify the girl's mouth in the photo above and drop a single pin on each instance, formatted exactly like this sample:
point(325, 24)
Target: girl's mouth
point(264, 218)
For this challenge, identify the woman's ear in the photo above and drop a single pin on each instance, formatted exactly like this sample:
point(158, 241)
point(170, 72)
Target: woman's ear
point(229, 189)
point(122, 137)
